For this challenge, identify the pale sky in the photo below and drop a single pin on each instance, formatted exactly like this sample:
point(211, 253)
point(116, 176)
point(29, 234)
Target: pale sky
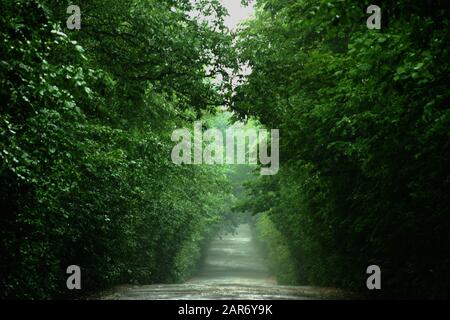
point(237, 13)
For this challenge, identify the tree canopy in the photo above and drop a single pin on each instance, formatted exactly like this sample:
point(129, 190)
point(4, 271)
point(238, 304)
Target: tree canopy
point(86, 118)
point(364, 123)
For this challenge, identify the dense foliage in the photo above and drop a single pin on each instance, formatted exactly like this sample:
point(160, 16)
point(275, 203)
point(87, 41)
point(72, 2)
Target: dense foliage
point(86, 117)
point(275, 248)
point(364, 119)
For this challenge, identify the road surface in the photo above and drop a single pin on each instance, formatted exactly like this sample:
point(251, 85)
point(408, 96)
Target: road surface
point(233, 269)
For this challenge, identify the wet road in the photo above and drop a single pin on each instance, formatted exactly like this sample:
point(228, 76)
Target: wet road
point(233, 269)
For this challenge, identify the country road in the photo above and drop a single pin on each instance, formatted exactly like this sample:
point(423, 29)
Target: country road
point(233, 269)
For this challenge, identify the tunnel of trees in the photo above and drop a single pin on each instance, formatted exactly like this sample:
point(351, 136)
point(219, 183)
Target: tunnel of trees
point(86, 118)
